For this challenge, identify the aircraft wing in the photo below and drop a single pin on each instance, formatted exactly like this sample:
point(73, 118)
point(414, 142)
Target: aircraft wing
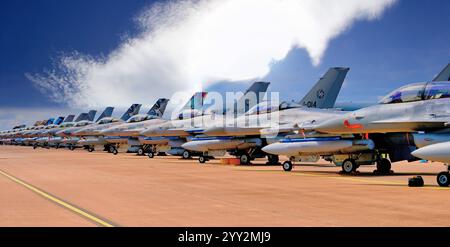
point(415, 124)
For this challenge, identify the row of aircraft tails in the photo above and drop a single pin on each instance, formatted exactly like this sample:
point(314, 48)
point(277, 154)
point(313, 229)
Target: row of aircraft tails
point(411, 123)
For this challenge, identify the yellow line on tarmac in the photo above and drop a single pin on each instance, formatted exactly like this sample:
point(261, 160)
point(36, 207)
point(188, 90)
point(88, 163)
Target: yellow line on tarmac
point(58, 201)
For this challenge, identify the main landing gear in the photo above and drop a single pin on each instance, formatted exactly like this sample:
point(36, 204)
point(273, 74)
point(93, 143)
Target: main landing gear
point(273, 160)
point(244, 159)
point(113, 150)
point(349, 166)
point(203, 158)
point(383, 166)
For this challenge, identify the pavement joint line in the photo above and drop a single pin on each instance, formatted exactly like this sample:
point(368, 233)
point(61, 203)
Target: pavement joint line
point(58, 201)
point(353, 179)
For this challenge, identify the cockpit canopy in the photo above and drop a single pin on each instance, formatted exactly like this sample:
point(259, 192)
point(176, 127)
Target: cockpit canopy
point(270, 106)
point(82, 123)
point(140, 118)
point(107, 120)
point(263, 107)
point(65, 125)
point(418, 92)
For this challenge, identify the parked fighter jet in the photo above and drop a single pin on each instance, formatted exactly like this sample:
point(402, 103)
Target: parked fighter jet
point(118, 135)
point(368, 135)
point(47, 135)
point(91, 136)
point(43, 137)
point(68, 139)
point(243, 139)
point(173, 134)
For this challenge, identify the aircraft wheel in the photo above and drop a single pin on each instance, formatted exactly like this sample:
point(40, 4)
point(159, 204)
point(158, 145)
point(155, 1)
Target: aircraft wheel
point(91, 149)
point(287, 166)
point(349, 166)
point(186, 155)
point(71, 148)
point(111, 149)
point(443, 179)
point(273, 159)
point(115, 151)
point(34, 146)
point(384, 166)
point(244, 159)
point(202, 159)
point(140, 152)
point(151, 155)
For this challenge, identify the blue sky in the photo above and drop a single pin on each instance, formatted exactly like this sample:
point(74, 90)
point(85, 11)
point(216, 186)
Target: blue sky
point(33, 33)
point(410, 42)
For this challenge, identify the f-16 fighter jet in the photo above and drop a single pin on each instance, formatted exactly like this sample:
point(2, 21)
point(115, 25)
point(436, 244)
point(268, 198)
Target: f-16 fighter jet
point(244, 138)
point(406, 118)
point(173, 134)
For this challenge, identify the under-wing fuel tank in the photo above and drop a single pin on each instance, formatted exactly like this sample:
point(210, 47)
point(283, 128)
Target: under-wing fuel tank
point(436, 152)
point(221, 143)
point(322, 146)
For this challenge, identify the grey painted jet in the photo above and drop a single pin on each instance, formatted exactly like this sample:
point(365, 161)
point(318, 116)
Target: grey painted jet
point(91, 136)
point(242, 138)
point(67, 134)
point(170, 136)
point(120, 134)
point(370, 135)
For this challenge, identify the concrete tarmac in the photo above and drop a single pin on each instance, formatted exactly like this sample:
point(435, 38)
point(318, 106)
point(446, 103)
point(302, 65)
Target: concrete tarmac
point(76, 188)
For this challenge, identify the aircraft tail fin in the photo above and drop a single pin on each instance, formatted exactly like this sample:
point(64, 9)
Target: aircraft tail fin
point(91, 115)
point(196, 101)
point(50, 121)
point(444, 75)
point(37, 123)
point(41, 122)
point(59, 120)
point(69, 118)
point(133, 110)
point(106, 113)
point(326, 90)
point(82, 117)
point(158, 108)
point(252, 97)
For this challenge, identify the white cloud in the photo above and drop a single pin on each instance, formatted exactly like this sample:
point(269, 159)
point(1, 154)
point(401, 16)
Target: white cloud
point(187, 45)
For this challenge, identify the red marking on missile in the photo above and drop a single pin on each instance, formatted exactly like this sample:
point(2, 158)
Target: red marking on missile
point(352, 126)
